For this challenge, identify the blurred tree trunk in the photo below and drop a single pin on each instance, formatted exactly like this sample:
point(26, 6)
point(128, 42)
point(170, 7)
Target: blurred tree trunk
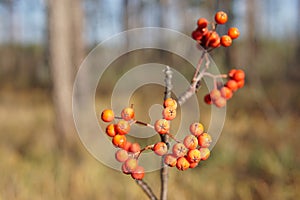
point(66, 52)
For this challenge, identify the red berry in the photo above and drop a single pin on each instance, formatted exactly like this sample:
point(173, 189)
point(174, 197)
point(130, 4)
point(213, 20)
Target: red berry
point(182, 163)
point(221, 102)
point(196, 128)
point(138, 173)
point(215, 94)
point(127, 146)
point(202, 23)
point(162, 126)
point(231, 73)
point(232, 84)
point(111, 130)
point(240, 83)
point(233, 32)
point(197, 35)
point(131, 164)
point(121, 155)
point(135, 147)
point(170, 160)
point(169, 113)
point(123, 127)
point(127, 114)
point(190, 142)
point(226, 41)
point(107, 115)
point(226, 92)
point(239, 75)
point(194, 156)
point(179, 150)
point(221, 17)
point(160, 148)
point(207, 99)
point(204, 140)
point(119, 140)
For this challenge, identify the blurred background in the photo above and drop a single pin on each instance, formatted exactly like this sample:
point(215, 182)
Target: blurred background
point(42, 44)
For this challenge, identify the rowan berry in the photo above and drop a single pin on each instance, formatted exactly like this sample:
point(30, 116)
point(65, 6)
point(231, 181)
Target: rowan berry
point(162, 126)
point(170, 160)
point(232, 84)
point(194, 156)
point(127, 114)
point(190, 142)
point(239, 75)
point(131, 164)
point(212, 38)
point(215, 94)
point(121, 155)
point(182, 163)
point(197, 35)
point(207, 99)
point(169, 102)
point(216, 44)
point(221, 17)
point(240, 83)
point(111, 130)
point(135, 147)
point(160, 148)
point(125, 170)
point(233, 32)
point(204, 140)
point(138, 173)
point(196, 128)
point(226, 92)
point(202, 23)
point(231, 73)
point(107, 115)
point(179, 150)
point(123, 127)
point(226, 41)
point(220, 102)
point(169, 113)
point(119, 140)
point(193, 165)
point(127, 146)
point(205, 153)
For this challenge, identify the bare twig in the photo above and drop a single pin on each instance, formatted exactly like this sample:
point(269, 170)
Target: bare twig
point(164, 138)
point(148, 191)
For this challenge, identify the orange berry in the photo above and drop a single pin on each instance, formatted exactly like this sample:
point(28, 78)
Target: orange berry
point(226, 41)
point(170, 160)
point(194, 156)
point(111, 130)
point(125, 170)
point(127, 146)
point(160, 148)
point(221, 17)
point(123, 127)
point(107, 115)
point(204, 140)
point(226, 92)
point(205, 153)
point(169, 113)
point(240, 83)
point(207, 99)
point(169, 102)
point(216, 43)
point(127, 114)
point(196, 128)
point(232, 84)
point(202, 23)
point(119, 140)
point(215, 94)
point(135, 147)
point(190, 142)
point(162, 126)
point(182, 163)
point(179, 150)
point(233, 32)
point(231, 73)
point(131, 164)
point(121, 155)
point(212, 38)
point(138, 173)
point(193, 165)
point(220, 102)
point(239, 75)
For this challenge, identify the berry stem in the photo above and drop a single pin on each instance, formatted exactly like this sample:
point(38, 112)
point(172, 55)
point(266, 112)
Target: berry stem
point(148, 191)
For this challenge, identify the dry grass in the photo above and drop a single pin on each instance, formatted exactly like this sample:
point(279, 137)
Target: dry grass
point(257, 157)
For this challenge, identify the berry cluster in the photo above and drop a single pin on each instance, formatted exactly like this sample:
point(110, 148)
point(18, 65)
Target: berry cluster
point(185, 154)
point(207, 36)
point(221, 93)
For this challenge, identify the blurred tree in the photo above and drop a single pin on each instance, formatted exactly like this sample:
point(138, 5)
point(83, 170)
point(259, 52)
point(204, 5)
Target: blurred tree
point(66, 51)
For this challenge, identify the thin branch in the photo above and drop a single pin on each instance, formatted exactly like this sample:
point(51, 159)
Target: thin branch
point(148, 191)
point(164, 170)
